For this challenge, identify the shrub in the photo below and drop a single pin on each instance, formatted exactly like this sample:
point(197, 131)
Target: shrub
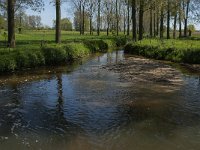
point(166, 50)
point(76, 50)
point(29, 58)
point(54, 54)
point(7, 63)
point(96, 45)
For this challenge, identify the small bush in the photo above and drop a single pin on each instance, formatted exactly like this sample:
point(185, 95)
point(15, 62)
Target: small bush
point(54, 54)
point(96, 45)
point(76, 50)
point(7, 63)
point(121, 41)
point(29, 58)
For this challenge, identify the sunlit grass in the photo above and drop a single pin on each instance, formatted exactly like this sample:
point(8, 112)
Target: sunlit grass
point(187, 51)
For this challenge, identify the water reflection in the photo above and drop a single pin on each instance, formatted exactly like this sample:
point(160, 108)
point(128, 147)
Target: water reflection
point(80, 106)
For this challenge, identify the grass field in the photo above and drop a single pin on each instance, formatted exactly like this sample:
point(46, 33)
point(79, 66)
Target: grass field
point(34, 37)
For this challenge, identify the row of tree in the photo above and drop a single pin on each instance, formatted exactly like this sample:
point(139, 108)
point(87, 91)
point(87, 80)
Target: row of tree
point(151, 17)
point(139, 16)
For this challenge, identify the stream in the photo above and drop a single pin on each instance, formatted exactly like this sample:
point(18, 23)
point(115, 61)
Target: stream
point(83, 106)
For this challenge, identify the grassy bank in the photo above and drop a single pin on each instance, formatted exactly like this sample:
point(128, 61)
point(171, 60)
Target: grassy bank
point(185, 51)
point(30, 56)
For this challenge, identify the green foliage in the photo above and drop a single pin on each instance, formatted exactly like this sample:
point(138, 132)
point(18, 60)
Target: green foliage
point(7, 63)
point(121, 41)
point(29, 58)
point(191, 27)
point(54, 54)
point(96, 45)
point(66, 24)
point(76, 50)
point(2, 23)
point(173, 50)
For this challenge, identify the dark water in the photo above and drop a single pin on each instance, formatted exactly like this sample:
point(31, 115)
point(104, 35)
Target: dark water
point(83, 107)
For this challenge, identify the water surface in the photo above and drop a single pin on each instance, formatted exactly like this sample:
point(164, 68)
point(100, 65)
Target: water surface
point(84, 107)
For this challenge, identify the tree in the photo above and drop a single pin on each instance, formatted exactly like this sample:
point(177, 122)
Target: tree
point(141, 15)
point(191, 29)
point(11, 23)
point(162, 21)
point(66, 24)
point(91, 8)
point(58, 21)
point(38, 22)
point(134, 23)
point(128, 17)
point(168, 19)
point(186, 17)
point(99, 17)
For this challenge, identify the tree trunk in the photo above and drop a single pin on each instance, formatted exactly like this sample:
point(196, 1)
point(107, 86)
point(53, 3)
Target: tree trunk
point(117, 18)
point(141, 14)
point(80, 19)
point(20, 23)
point(151, 22)
point(154, 22)
point(161, 23)
point(58, 18)
point(91, 29)
point(83, 24)
point(128, 19)
point(186, 18)
point(11, 23)
point(98, 19)
point(134, 28)
point(157, 24)
point(168, 20)
point(124, 22)
point(175, 21)
point(180, 21)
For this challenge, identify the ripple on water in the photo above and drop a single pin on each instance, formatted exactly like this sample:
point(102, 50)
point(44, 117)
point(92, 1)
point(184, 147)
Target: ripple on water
point(93, 108)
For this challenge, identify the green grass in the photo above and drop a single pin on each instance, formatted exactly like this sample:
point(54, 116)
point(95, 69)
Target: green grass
point(186, 51)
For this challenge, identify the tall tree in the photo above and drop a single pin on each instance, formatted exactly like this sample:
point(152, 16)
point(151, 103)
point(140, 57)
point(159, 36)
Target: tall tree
point(141, 15)
point(180, 18)
point(168, 19)
point(117, 17)
point(186, 17)
point(11, 23)
point(128, 17)
point(58, 21)
point(162, 21)
point(151, 19)
point(99, 17)
point(134, 23)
